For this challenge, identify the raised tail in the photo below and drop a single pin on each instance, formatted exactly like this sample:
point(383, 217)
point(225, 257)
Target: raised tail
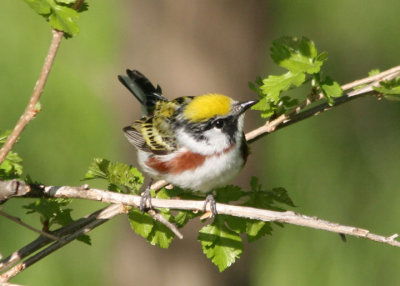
point(142, 89)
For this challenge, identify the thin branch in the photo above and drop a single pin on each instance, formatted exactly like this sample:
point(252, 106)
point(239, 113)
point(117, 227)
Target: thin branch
point(20, 222)
point(105, 215)
point(158, 217)
point(31, 108)
point(41, 241)
point(296, 115)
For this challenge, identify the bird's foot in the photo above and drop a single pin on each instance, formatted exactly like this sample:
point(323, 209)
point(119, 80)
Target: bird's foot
point(213, 205)
point(145, 200)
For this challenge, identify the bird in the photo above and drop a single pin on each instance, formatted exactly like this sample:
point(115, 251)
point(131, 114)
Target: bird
point(193, 142)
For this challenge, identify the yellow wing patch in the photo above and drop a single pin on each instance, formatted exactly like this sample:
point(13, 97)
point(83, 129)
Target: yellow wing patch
point(206, 106)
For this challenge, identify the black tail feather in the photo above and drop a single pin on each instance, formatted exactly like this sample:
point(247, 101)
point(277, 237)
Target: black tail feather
point(142, 89)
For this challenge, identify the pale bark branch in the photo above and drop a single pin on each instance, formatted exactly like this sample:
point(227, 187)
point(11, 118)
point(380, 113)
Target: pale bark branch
point(288, 217)
point(103, 216)
point(43, 241)
point(298, 113)
point(31, 108)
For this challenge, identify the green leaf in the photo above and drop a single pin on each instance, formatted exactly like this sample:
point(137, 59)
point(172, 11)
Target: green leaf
point(274, 85)
point(256, 229)
point(183, 217)
point(272, 88)
point(141, 223)
point(282, 196)
point(266, 107)
point(297, 55)
point(374, 72)
point(64, 19)
point(331, 89)
point(59, 13)
point(66, 1)
point(390, 89)
point(153, 231)
point(51, 210)
point(161, 235)
point(122, 177)
point(228, 194)
point(11, 167)
point(42, 7)
point(220, 244)
point(54, 212)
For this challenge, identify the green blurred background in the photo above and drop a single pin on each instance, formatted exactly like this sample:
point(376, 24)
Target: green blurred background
point(341, 166)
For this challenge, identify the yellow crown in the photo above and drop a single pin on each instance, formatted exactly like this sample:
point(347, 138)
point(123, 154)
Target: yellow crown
point(206, 106)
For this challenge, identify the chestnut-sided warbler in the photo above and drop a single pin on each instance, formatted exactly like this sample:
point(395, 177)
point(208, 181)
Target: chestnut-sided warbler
point(195, 143)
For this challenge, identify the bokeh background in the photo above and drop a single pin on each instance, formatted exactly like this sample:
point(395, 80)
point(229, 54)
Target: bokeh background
point(342, 166)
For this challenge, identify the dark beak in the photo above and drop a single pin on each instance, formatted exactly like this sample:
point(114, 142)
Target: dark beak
point(241, 107)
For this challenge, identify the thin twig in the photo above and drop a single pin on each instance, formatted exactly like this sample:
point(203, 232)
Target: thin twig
point(105, 215)
point(20, 222)
point(158, 217)
point(31, 108)
point(296, 115)
point(41, 241)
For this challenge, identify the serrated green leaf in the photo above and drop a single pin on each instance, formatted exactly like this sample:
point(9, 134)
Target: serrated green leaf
point(11, 167)
point(141, 223)
point(64, 19)
point(228, 194)
point(153, 231)
point(183, 217)
point(4, 135)
point(297, 55)
point(160, 234)
point(220, 244)
point(374, 72)
point(59, 14)
point(331, 89)
point(272, 88)
point(54, 212)
point(51, 210)
point(266, 107)
point(42, 7)
point(122, 177)
point(390, 89)
point(85, 239)
point(66, 1)
point(274, 85)
point(256, 229)
point(282, 196)
point(237, 224)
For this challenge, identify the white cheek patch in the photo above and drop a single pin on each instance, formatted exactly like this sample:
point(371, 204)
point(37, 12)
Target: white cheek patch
point(216, 141)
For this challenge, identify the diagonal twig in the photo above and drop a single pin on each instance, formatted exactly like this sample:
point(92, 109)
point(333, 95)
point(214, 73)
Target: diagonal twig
point(295, 114)
point(31, 109)
point(103, 216)
point(20, 222)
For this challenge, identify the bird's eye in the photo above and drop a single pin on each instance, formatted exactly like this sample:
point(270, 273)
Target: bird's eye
point(219, 123)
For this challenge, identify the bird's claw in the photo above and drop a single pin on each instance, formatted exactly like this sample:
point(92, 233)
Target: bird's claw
point(213, 205)
point(145, 200)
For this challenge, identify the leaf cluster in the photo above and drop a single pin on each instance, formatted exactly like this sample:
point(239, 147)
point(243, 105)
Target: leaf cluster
point(389, 89)
point(62, 15)
point(222, 239)
point(299, 56)
point(11, 167)
point(54, 212)
point(121, 177)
